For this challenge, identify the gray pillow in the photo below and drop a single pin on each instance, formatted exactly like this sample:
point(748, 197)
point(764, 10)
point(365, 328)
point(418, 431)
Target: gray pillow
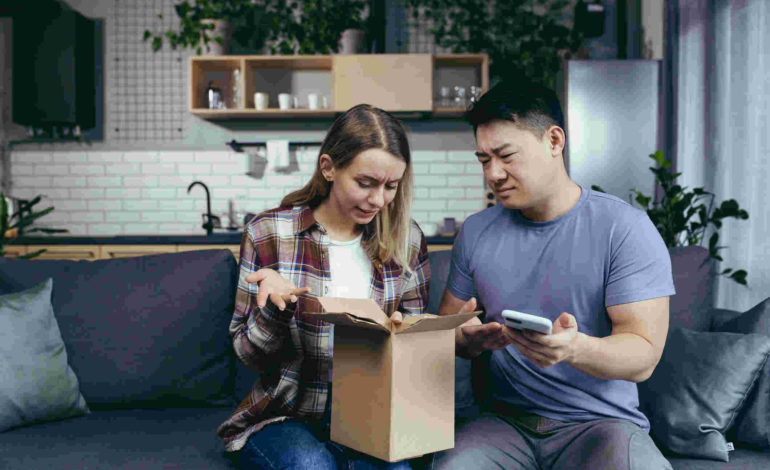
point(699, 387)
point(36, 383)
point(752, 426)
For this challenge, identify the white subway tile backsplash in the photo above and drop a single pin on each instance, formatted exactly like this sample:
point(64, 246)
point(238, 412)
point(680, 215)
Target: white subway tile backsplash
point(162, 216)
point(140, 181)
point(30, 157)
point(112, 193)
point(105, 205)
point(123, 193)
point(429, 181)
point(462, 156)
point(22, 169)
point(31, 181)
point(105, 157)
point(123, 169)
point(447, 169)
point(92, 193)
point(91, 170)
point(69, 182)
point(429, 156)
point(123, 216)
point(89, 216)
point(194, 168)
point(104, 181)
point(141, 228)
point(105, 229)
point(140, 205)
point(140, 157)
point(159, 168)
point(159, 193)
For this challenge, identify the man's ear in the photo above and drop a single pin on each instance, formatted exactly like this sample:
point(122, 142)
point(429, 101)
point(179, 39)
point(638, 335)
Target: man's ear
point(327, 167)
point(557, 139)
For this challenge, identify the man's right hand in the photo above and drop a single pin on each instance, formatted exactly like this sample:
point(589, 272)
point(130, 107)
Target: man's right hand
point(473, 340)
point(278, 289)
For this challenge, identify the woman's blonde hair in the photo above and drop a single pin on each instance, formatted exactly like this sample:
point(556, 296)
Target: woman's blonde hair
point(361, 128)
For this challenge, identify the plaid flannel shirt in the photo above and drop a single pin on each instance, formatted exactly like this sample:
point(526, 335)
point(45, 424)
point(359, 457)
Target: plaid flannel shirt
point(289, 349)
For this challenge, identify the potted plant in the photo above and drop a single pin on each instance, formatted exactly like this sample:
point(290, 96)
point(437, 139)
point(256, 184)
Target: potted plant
point(207, 25)
point(21, 222)
point(525, 38)
point(683, 217)
point(319, 27)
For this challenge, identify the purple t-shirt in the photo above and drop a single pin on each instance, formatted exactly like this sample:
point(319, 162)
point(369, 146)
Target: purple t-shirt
point(602, 252)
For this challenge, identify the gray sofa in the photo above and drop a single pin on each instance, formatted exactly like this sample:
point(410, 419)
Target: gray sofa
point(147, 339)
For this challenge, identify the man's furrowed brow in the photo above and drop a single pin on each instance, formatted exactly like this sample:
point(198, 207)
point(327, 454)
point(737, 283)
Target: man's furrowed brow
point(496, 150)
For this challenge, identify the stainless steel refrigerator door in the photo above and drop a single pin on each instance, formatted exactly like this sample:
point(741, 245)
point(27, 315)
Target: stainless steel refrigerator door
point(612, 112)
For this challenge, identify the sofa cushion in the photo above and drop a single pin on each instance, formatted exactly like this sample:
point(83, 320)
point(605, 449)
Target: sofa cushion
point(752, 425)
point(121, 439)
point(150, 331)
point(693, 282)
point(698, 388)
point(36, 383)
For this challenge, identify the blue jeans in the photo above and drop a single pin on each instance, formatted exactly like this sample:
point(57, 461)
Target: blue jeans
point(295, 444)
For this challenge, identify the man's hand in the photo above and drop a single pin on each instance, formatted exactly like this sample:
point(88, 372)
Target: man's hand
point(278, 289)
point(547, 350)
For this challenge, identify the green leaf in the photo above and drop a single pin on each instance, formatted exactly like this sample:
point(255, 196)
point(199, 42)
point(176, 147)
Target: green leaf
point(597, 188)
point(34, 254)
point(739, 276)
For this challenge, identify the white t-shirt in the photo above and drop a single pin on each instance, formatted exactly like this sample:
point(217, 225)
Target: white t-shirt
point(351, 269)
point(351, 275)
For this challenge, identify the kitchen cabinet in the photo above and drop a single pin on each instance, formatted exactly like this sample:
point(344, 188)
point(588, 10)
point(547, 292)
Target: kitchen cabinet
point(14, 251)
point(70, 252)
point(394, 82)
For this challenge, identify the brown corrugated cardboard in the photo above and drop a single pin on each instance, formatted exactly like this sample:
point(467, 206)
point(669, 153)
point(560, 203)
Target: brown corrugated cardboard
point(392, 386)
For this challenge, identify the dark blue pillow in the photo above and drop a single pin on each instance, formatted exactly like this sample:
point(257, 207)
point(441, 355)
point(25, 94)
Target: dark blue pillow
point(752, 425)
point(150, 331)
point(699, 387)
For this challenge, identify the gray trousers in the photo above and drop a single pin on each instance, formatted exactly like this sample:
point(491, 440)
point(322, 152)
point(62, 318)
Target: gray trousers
point(524, 441)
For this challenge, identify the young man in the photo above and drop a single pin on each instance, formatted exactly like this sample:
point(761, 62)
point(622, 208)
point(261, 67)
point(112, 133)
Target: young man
point(589, 262)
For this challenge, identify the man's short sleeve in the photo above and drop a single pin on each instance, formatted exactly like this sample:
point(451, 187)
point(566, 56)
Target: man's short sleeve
point(640, 265)
point(460, 282)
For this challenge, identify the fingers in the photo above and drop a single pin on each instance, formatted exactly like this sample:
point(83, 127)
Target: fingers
point(468, 306)
point(278, 301)
point(397, 318)
point(257, 276)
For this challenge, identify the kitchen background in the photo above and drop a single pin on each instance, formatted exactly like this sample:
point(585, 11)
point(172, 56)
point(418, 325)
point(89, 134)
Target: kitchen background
point(133, 178)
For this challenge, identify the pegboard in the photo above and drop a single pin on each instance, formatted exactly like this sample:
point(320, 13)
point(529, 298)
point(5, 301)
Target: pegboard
point(146, 93)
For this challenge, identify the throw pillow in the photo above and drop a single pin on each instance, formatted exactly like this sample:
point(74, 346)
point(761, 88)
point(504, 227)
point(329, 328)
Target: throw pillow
point(36, 383)
point(752, 426)
point(698, 388)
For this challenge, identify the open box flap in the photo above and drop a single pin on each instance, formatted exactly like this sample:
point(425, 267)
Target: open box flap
point(354, 312)
point(428, 322)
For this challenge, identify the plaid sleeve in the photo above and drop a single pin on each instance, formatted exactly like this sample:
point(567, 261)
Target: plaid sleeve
point(257, 332)
point(415, 297)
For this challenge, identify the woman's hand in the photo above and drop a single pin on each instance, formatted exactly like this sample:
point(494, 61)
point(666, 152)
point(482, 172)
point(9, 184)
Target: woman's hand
point(278, 289)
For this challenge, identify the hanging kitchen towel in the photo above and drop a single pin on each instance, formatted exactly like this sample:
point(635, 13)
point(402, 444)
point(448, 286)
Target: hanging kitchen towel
point(278, 153)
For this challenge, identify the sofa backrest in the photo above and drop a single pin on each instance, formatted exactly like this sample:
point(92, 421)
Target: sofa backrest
point(149, 331)
point(693, 280)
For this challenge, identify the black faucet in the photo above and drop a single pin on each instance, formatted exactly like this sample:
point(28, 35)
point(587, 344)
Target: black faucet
point(208, 223)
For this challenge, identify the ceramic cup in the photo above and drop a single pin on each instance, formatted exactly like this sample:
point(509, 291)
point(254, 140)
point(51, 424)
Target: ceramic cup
point(284, 101)
point(261, 100)
point(312, 101)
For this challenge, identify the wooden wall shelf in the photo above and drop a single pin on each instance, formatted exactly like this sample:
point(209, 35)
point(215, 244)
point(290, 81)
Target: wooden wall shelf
point(402, 83)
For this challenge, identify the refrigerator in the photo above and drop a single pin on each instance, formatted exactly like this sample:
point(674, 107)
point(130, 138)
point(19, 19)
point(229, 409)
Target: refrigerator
point(613, 123)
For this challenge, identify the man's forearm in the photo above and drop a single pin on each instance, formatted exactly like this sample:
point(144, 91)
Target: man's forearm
point(624, 356)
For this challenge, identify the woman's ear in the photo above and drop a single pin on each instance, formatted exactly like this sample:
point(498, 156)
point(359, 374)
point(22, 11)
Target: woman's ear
point(327, 167)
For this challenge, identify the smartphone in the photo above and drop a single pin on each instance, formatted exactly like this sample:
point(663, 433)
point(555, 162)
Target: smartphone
point(525, 321)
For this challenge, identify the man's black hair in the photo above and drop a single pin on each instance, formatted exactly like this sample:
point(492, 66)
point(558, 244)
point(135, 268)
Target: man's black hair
point(528, 104)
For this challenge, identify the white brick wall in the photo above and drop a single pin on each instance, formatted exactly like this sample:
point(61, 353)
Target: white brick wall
point(127, 193)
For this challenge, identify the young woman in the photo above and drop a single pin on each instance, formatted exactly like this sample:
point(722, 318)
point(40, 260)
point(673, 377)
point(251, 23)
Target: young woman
point(347, 233)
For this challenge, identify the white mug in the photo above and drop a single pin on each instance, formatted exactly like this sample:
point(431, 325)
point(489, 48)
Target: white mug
point(312, 101)
point(261, 100)
point(284, 101)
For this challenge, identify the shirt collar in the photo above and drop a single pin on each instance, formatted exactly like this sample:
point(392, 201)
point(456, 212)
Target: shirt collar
point(304, 219)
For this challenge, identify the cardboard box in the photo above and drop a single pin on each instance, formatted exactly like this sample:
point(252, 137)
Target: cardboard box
point(392, 386)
